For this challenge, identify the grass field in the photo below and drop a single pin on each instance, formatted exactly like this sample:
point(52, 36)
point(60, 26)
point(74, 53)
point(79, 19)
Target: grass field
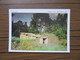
point(19, 44)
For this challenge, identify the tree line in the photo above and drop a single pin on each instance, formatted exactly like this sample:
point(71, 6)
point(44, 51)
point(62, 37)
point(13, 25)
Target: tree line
point(42, 23)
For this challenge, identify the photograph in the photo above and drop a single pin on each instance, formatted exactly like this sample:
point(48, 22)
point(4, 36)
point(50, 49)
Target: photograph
point(39, 30)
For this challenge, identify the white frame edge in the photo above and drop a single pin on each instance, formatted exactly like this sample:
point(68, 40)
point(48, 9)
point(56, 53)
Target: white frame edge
point(39, 11)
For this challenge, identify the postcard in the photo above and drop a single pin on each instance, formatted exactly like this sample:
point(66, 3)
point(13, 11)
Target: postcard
point(39, 30)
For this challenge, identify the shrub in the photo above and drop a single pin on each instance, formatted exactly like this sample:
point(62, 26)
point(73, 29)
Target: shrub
point(15, 42)
point(63, 42)
point(25, 45)
point(59, 32)
point(32, 30)
point(22, 44)
point(13, 46)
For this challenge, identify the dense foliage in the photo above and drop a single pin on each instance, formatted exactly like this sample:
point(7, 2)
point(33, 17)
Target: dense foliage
point(42, 23)
point(59, 26)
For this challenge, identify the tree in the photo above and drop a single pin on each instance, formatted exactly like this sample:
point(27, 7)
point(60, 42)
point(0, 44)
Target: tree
point(59, 26)
point(40, 21)
point(19, 27)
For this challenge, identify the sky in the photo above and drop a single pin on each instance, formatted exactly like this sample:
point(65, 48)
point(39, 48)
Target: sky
point(53, 15)
point(26, 17)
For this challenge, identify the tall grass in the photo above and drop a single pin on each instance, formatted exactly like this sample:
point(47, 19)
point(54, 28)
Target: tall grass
point(29, 45)
point(22, 45)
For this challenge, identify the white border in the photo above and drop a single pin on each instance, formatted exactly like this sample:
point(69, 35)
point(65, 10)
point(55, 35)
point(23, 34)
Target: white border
point(40, 11)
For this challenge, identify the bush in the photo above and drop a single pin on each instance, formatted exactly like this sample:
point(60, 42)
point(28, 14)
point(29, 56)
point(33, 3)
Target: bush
point(64, 42)
point(14, 45)
point(15, 42)
point(18, 43)
point(59, 32)
point(25, 45)
point(32, 30)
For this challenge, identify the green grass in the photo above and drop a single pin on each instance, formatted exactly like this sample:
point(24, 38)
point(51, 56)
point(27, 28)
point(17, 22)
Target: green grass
point(54, 48)
point(18, 39)
point(58, 48)
point(27, 45)
point(22, 45)
point(63, 42)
